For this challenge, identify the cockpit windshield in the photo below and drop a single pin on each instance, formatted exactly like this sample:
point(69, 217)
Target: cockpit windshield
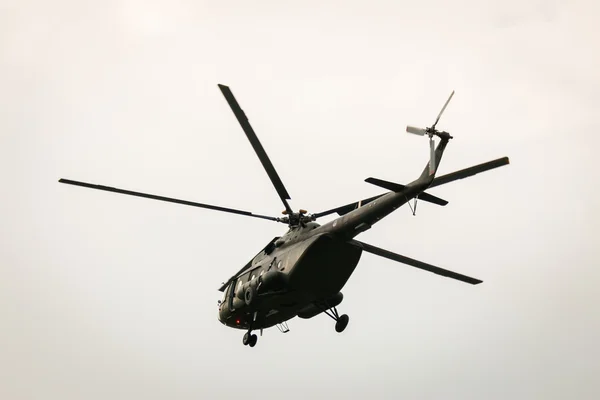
point(226, 293)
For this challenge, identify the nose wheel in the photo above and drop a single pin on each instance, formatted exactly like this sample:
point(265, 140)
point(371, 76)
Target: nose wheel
point(250, 339)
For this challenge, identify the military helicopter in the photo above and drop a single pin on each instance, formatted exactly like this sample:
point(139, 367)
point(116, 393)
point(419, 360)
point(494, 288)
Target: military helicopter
point(302, 272)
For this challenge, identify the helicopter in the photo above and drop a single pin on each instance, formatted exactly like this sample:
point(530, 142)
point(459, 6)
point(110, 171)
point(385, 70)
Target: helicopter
point(301, 273)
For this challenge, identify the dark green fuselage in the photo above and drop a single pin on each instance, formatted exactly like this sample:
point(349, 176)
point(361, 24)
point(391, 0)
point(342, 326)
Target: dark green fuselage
point(309, 264)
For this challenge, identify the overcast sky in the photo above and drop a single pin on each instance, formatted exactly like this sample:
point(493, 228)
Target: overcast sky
point(104, 296)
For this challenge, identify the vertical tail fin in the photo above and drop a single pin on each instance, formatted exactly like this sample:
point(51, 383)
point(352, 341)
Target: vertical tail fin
point(431, 168)
point(435, 155)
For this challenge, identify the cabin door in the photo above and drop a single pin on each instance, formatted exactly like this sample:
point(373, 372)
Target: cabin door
point(232, 290)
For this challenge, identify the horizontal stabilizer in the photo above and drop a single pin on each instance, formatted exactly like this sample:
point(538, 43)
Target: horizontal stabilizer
point(432, 199)
point(414, 263)
point(396, 187)
point(465, 173)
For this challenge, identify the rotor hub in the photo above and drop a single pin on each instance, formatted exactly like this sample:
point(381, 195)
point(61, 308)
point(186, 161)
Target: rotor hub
point(431, 132)
point(297, 218)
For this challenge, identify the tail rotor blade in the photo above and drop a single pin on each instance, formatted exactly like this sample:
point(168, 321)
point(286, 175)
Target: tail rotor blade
point(431, 157)
point(416, 131)
point(443, 108)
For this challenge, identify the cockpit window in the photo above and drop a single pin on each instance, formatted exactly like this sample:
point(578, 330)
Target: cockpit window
point(226, 294)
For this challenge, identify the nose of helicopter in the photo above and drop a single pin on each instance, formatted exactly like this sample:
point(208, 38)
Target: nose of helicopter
point(220, 315)
point(224, 316)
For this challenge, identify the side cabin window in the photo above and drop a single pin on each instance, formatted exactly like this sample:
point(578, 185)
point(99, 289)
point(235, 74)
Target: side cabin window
point(250, 276)
point(247, 277)
point(256, 272)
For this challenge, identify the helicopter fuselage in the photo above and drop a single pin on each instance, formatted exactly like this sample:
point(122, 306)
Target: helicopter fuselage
point(302, 272)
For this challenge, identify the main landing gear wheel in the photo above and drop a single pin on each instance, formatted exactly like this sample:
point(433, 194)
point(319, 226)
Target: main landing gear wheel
point(342, 323)
point(250, 339)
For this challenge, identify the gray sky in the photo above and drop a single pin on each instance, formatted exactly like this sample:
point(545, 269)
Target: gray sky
point(107, 296)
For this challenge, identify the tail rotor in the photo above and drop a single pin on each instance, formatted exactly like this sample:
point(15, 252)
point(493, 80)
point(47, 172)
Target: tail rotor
point(431, 132)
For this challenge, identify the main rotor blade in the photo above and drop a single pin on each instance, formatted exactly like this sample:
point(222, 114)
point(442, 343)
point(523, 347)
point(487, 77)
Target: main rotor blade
point(260, 151)
point(168, 199)
point(397, 187)
point(441, 112)
point(465, 173)
point(415, 263)
point(348, 207)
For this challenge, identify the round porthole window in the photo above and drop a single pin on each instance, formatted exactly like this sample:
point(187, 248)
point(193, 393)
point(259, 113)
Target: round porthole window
point(280, 265)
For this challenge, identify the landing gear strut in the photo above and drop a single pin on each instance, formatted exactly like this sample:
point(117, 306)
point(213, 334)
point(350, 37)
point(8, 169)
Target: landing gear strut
point(249, 338)
point(341, 321)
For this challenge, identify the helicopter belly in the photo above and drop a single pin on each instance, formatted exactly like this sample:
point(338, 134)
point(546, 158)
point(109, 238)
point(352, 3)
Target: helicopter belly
point(318, 307)
point(324, 267)
point(313, 270)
